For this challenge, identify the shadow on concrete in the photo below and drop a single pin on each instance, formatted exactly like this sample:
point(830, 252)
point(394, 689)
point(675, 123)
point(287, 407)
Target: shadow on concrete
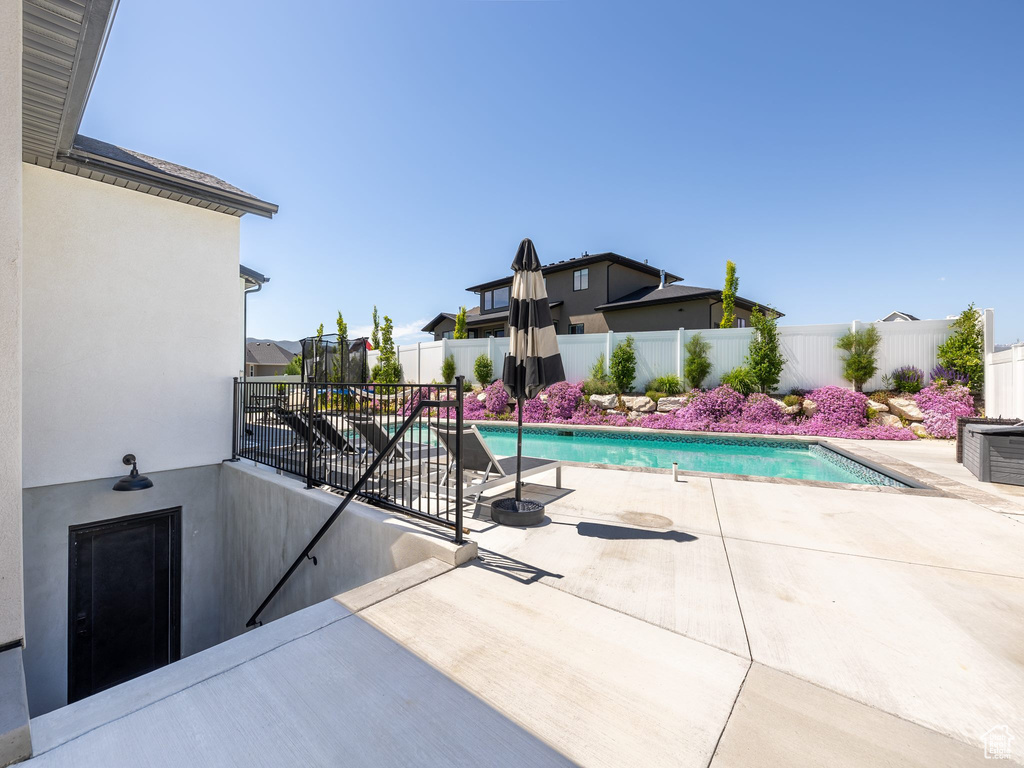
point(522, 572)
point(622, 533)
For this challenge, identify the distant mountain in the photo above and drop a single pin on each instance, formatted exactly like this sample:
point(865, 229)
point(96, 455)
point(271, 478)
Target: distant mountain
point(295, 347)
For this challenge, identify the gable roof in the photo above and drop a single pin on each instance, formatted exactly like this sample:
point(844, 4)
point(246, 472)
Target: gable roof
point(895, 315)
point(63, 42)
point(653, 295)
point(583, 261)
point(266, 353)
point(475, 317)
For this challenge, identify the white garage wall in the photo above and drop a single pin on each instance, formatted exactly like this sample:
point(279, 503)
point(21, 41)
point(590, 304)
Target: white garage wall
point(131, 327)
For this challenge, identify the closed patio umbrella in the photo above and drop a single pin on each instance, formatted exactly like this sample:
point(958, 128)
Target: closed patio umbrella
point(533, 362)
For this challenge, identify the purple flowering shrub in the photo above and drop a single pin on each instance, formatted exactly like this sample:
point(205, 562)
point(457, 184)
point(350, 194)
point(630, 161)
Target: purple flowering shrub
point(563, 400)
point(841, 413)
point(942, 403)
point(949, 375)
point(497, 398)
point(761, 408)
point(839, 408)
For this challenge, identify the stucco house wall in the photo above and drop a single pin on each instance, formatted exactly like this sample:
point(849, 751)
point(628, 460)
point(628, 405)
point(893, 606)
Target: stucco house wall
point(11, 621)
point(123, 292)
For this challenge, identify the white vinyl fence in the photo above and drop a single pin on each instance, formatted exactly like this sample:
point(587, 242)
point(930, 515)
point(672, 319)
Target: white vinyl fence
point(1004, 383)
point(810, 350)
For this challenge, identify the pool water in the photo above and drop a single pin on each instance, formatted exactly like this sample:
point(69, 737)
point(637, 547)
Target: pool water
point(762, 457)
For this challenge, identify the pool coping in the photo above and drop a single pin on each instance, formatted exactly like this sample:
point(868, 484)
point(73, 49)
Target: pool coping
point(915, 487)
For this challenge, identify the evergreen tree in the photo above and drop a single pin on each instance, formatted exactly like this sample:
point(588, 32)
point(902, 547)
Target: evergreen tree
point(732, 285)
point(460, 325)
point(764, 358)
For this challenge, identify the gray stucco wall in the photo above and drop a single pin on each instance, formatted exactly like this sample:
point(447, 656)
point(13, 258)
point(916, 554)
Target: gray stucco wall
point(11, 624)
point(49, 510)
point(15, 739)
point(268, 518)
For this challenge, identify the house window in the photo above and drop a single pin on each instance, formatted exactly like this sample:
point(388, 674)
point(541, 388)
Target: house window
point(496, 299)
point(581, 280)
point(448, 335)
point(575, 329)
point(741, 322)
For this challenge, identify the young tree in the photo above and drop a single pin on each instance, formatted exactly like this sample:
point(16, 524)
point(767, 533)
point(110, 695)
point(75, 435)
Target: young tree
point(964, 350)
point(294, 368)
point(483, 369)
point(623, 365)
point(764, 358)
point(732, 285)
point(375, 333)
point(859, 363)
point(341, 351)
point(389, 371)
point(448, 369)
point(460, 325)
point(698, 365)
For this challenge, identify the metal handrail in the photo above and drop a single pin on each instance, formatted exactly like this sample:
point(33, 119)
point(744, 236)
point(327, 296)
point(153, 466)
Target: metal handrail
point(366, 476)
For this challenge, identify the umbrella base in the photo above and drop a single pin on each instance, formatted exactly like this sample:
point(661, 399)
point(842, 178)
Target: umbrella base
point(518, 513)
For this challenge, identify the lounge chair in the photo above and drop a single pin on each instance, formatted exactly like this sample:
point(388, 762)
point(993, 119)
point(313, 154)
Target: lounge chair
point(377, 438)
point(480, 464)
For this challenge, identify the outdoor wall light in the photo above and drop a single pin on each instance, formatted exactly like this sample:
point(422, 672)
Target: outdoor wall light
point(133, 481)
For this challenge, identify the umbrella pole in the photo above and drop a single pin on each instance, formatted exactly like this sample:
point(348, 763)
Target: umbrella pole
point(519, 454)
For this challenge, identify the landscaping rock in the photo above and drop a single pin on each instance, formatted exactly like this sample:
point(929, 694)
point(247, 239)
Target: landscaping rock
point(788, 409)
point(634, 416)
point(918, 429)
point(482, 396)
point(605, 402)
point(889, 420)
point(905, 408)
point(640, 404)
point(878, 407)
point(809, 407)
point(669, 404)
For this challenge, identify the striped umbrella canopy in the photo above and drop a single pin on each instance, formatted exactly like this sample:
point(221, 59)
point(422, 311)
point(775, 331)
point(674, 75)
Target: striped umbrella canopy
point(533, 361)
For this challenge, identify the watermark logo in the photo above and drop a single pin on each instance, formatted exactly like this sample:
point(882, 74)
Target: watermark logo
point(997, 743)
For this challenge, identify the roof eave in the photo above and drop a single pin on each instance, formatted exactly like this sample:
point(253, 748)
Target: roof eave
point(171, 184)
point(95, 32)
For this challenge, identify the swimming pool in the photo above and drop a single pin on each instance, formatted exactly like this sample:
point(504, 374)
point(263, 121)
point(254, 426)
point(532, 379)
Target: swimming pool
point(763, 457)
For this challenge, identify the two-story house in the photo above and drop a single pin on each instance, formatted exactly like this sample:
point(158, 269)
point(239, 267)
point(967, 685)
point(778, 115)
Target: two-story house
point(597, 293)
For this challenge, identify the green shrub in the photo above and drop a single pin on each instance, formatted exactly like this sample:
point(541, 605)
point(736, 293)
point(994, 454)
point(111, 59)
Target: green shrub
point(964, 350)
point(791, 400)
point(598, 387)
point(669, 384)
point(483, 369)
point(859, 363)
point(448, 369)
point(600, 370)
point(763, 355)
point(623, 365)
point(294, 368)
point(655, 395)
point(741, 379)
point(698, 365)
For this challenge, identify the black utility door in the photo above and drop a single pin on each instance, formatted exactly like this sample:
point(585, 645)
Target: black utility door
point(123, 598)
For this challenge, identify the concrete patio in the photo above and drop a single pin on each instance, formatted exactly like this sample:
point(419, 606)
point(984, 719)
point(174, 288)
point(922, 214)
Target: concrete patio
point(709, 621)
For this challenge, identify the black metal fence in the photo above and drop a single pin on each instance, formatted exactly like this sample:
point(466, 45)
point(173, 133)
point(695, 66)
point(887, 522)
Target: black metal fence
point(380, 441)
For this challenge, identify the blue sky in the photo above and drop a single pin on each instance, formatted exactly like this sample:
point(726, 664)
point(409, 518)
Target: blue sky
point(851, 158)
